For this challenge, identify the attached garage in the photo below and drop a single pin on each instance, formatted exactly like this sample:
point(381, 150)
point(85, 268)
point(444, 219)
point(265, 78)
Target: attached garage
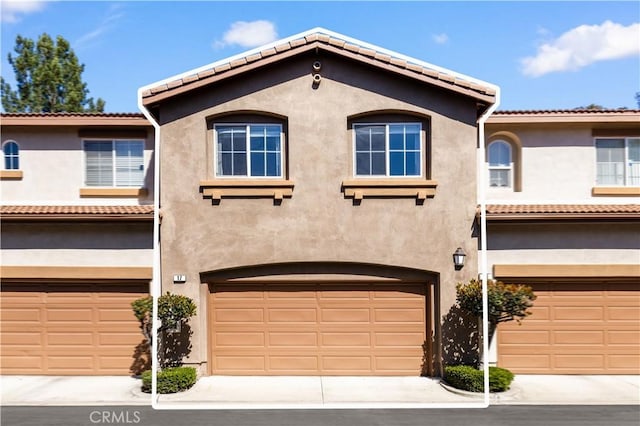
point(337, 329)
point(576, 327)
point(79, 328)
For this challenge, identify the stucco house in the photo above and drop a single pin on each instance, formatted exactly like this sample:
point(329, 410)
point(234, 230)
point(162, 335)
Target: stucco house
point(309, 196)
point(312, 195)
point(76, 248)
point(562, 207)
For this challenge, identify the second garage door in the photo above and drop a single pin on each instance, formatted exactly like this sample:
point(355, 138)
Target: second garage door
point(70, 329)
point(575, 328)
point(362, 329)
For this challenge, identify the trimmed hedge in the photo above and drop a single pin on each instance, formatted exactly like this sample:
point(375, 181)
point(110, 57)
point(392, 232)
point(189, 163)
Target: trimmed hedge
point(171, 380)
point(471, 379)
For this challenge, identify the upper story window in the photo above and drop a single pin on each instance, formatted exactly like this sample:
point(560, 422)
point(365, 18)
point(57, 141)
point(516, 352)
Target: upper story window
point(500, 160)
point(618, 161)
point(11, 152)
point(114, 163)
point(393, 149)
point(251, 150)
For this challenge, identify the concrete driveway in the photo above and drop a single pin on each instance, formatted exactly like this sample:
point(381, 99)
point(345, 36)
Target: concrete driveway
point(318, 392)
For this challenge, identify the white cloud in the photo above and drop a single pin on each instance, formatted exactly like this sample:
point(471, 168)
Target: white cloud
point(248, 34)
point(12, 9)
point(113, 15)
point(582, 46)
point(441, 38)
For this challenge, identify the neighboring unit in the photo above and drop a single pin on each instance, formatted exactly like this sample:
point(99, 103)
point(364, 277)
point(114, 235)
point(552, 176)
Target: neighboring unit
point(313, 192)
point(77, 226)
point(563, 216)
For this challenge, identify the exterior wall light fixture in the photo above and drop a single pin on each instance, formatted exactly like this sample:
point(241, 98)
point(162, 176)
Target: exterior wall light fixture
point(179, 278)
point(458, 258)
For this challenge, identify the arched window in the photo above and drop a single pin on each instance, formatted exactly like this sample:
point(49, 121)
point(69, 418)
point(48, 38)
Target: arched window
point(500, 161)
point(11, 155)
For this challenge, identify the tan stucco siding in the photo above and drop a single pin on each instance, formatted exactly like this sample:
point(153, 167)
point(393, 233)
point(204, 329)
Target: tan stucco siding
point(318, 223)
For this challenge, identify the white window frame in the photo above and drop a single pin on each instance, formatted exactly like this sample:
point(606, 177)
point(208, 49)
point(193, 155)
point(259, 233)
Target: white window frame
point(509, 168)
point(247, 126)
point(5, 156)
point(387, 151)
point(114, 142)
point(626, 161)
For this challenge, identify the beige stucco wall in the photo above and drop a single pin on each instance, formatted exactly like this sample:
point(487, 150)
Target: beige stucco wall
point(558, 165)
point(52, 162)
point(564, 243)
point(317, 223)
point(77, 244)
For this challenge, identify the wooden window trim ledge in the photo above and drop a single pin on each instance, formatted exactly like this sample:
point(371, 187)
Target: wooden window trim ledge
point(420, 189)
point(616, 191)
point(247, 188)
point(114, 192)
point(10, 174)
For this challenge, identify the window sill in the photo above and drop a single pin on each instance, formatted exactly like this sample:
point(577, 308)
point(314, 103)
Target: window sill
point(113, 192)
point(11, 174)
point(391, 188)
point(247, 188)
point(621, 191)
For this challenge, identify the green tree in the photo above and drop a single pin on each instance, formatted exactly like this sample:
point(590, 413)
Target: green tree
point(506, 302)
point(48, 78)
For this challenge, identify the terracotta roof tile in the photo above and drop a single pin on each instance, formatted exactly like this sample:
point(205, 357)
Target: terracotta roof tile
point(43, 212)
point(524, 211)
point(565, 111)
point(73, 114)
point(190, 78)
point(337, 43)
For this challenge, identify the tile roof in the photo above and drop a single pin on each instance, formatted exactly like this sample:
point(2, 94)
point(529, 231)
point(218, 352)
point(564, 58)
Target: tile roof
point(18, 212)
point(129, 119)
point(562, 211)
point(565, 111)
point(72, 114)
point(327, 40)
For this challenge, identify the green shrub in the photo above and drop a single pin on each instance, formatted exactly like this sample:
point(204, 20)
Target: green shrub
point(170, 380)
point(464, 377)
point(471, 379)
point(499, 379)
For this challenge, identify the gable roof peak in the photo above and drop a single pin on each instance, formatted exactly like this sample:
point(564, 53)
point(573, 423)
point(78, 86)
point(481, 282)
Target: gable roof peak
point(319, 37)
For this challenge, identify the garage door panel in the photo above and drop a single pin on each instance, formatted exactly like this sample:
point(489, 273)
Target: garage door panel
point(69, 329)
point(20, 316)
point(594, 328)
point(399, 315)
point(398, 339)
point(240, 315)
point(346, 339)
point(341, 330)
point(308, 363)
point(578, 337)
point(294, 315)
point(330, 315)
point(623, 337)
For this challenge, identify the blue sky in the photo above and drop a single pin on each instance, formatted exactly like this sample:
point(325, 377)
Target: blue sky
point(544, 55)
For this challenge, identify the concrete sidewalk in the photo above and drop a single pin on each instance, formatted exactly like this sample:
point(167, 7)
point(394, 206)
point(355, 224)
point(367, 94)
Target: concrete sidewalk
point(72, 390)
point(318, 392)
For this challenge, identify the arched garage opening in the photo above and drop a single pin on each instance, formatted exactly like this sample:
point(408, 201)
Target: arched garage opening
point(320, 318)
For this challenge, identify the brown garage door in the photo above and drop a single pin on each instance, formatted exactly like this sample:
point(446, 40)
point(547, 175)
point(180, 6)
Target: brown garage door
point(576, 328)
point(69, 329)
point(317, 329)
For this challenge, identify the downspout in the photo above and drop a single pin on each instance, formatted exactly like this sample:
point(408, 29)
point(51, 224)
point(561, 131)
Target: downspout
point(483, 266)
point(156, 287)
